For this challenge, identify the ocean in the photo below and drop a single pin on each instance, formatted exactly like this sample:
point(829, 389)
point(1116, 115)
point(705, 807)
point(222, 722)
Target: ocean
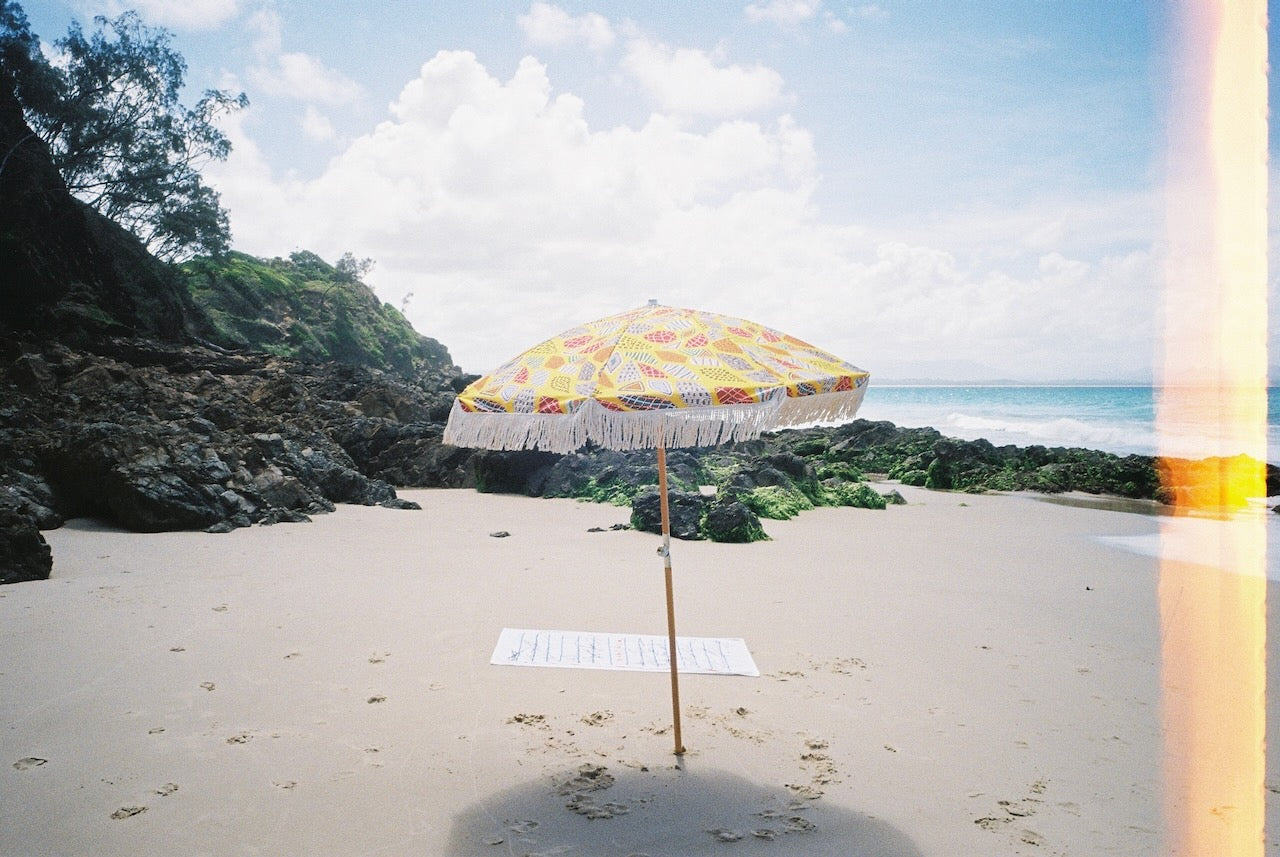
point(1114, 419)
point(1117, 419)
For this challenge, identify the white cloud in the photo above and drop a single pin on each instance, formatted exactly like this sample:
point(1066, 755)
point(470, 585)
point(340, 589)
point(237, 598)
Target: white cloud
point(690, 82)
point(316, 126)
point(305, 78)
point(291, 74)
point(509, 218)
point(547, 24)
point(783, 11)
point(266, 26)
point(191, 15)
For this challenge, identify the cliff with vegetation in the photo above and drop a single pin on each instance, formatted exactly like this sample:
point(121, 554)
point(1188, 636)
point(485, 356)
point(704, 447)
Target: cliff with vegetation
point(303, 308)
point(216, 394)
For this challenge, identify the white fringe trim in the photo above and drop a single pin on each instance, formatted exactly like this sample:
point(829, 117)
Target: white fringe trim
point(673, 428)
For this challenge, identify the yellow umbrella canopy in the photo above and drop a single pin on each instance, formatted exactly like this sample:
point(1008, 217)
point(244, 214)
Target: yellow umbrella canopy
point(655, 376)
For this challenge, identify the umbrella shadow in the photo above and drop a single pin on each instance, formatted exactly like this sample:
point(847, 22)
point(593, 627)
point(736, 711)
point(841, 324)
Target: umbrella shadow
point(671, 812)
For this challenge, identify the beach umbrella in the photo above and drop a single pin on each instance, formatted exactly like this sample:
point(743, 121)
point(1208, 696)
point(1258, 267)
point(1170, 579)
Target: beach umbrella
point(655, 377)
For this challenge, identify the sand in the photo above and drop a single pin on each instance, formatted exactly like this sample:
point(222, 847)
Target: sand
point(962, 675)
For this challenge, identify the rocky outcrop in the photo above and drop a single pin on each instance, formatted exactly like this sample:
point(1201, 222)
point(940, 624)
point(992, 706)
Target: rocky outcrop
point(782, 474)
point(156, 436)
point(113, 405)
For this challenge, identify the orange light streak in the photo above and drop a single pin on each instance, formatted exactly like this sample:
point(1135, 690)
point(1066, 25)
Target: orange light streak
point(1213, 613)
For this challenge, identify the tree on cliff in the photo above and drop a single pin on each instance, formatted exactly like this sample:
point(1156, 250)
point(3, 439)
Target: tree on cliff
point(108, 109)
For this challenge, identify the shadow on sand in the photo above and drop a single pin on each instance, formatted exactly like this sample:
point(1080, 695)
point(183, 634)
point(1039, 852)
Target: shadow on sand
point(671, 812)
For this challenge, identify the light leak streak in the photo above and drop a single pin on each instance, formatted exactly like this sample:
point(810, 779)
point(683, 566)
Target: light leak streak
point(1213, 618)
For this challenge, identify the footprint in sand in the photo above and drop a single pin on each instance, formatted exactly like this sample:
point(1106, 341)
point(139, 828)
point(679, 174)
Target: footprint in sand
point(824, 770)
point(208, 685)
point(800, 824)
point(724, 835)
point(1015, 810)
point(29, 763)
point(598, 718)
point(589, 778)
point(839, 666)
point(1018, 809)
point(524, 825)
point(167, 789)
point(128, 812)
point(242, 738)
point(791, 823)
point(586, 806)
point(803, 791)
point(375, 699)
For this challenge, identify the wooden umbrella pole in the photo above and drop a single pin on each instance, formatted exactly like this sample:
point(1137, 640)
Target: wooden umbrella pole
point(671, 603)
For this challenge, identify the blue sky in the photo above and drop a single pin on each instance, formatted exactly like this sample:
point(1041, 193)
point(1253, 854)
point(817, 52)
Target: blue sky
point(957, 190)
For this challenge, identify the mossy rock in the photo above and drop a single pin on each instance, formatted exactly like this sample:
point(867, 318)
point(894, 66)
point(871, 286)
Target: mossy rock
point(915, 478)
point(776, 502)
point(728, 519)
point(860, 496)
point(938, 475)
point(842, 470)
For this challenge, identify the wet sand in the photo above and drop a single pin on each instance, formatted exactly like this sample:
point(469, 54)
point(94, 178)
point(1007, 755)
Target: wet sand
point(960, 675)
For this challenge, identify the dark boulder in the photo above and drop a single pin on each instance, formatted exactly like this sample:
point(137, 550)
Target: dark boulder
point(24, 554)
point(796, 468)
point(685, 508)
point(730, 520)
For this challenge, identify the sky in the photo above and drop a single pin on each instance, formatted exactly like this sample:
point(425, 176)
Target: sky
point(963, 191)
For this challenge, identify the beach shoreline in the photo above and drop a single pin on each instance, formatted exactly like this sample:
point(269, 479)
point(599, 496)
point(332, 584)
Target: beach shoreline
point(963, 674)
